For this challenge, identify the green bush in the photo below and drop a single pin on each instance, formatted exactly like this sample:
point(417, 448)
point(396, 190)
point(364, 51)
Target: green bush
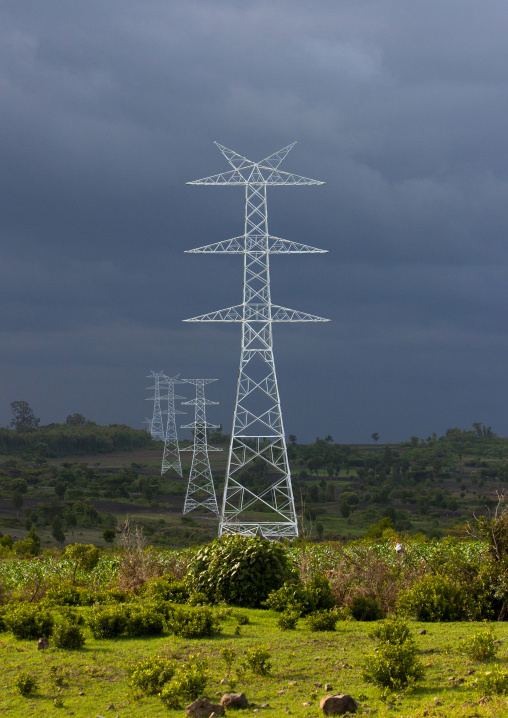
point(395, 665)
point(241, 570)
point(3, 618)
point(480, 646)
point(30, 621)
point(293, 597)
point(68, 635)
point(364, 608)
point(493, 681)
point(287, 621)
point(434, 598)
point(167, 589)
point(108, 621)
point(321, 621)
point(26, 684)
point(194, 622)
point(319, 586)
point(63, 594)
point(393, 630)
point(144, 621)
point(258, 661)
point(150, 675)
point(188, 683)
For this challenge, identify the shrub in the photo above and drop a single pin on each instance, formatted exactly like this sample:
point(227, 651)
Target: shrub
point(396, 664)
point(287, 621)
point(151, 674)
point(3, 619)
point(393, 630)
point(481, 646)
point(108, 621)
point(319, 587)
point(68, 635)
point(241, 570)
point(194, 622)
point(144, 621)
point(64, 595)
point(493, 681)
point(258, 661)
point(167, 589)
point(364, 608)
point(30, 621)
point(434, 598)
point(188, 683)
point(322, 621)
point(292, 596)
point(26, 684)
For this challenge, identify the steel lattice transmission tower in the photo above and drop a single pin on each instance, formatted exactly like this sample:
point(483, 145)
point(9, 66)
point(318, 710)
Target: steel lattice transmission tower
point(257, 453)
point(156, 425)
point(171, 454)
point(200, 489)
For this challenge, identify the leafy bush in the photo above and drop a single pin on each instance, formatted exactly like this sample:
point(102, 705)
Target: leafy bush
point(144, 621)
point(63, 594)
point(167, 589)
point(493, 681)
point(322, 621)
point(151, 674)
point(258, 661)
point(68, 635)
point(241, 570)
point(364, 608)
point(194, 622)
point(320, 587)
point(393, 630)
point(292, 596)
point(3, 618)
point(434, 598)
point(26, 684)
point(480, 646)
point(188, 683)
point(395, 665)
point(108, 621)
point(287, 621)
point(30, 621)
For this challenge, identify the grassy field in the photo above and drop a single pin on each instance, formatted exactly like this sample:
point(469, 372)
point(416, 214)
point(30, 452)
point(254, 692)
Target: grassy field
point(96, 681)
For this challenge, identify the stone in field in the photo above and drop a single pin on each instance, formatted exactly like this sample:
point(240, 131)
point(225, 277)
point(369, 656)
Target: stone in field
point(202, 708)
point(234, 700)
point(338, 704)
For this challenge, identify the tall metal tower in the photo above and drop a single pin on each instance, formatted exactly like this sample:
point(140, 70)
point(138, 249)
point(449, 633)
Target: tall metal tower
point(171, 455)
point(200, 489)
point(258, 476)
point(156, 426)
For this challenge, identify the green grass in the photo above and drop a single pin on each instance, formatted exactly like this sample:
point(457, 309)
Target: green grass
point(99, 672)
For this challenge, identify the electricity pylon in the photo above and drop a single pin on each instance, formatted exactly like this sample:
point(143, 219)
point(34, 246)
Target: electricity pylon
point(257, 453)
point(156, 426)
point(171, 454)
point(200, 489)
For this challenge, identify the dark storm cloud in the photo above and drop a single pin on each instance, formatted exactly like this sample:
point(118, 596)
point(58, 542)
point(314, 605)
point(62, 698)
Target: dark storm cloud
point(109, 107)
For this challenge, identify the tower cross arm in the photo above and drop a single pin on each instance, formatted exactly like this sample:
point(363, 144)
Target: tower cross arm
point(256, 175)
point(257, 313)
point(256, 243)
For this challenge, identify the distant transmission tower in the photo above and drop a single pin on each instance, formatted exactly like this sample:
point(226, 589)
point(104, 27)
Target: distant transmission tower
point(171, 455)
point(156, 426)
point(257, 453)
point(200, 490)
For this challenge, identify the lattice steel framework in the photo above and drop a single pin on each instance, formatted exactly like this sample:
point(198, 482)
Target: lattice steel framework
point(258, 476)
point(171, 454)
point(156, 425)
point(200, 489)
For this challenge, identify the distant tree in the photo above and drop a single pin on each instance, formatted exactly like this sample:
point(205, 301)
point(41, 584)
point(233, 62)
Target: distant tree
point(375, 436)
point(292, 439)
point(57, 530)
point(109, 534)
point(23, 417)
point(75, 420)
point(345, 509)
point(60, 489)
point(17, 500)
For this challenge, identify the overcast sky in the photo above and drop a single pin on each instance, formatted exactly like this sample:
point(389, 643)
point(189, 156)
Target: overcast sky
point(108, 107)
